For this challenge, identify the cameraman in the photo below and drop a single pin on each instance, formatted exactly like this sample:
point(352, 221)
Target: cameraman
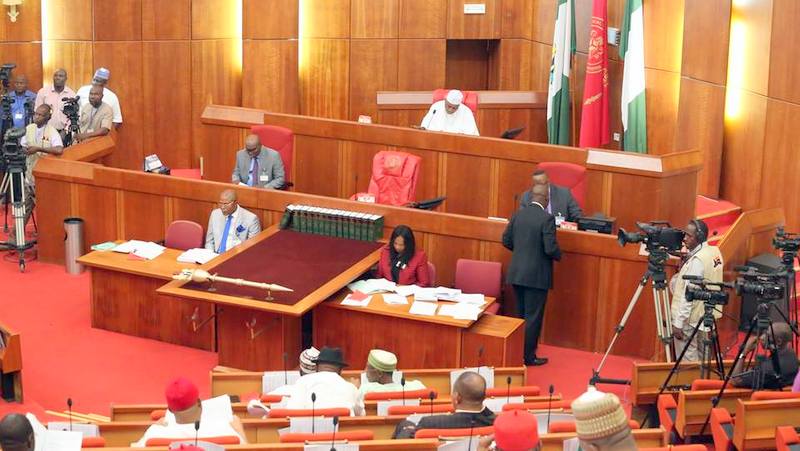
point(779, 369)
point(703, 261)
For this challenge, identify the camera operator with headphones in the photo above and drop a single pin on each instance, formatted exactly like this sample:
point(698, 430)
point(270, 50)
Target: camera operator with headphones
point(704, 261)
point(778, 370)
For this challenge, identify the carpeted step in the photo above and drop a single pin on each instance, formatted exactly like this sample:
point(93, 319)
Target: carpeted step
point(718, 214)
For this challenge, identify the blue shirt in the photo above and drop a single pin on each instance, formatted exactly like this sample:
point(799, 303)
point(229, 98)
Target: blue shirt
point(18, 107)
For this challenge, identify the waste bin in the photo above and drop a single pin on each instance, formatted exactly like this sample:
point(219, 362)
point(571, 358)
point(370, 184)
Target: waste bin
point(73, 244)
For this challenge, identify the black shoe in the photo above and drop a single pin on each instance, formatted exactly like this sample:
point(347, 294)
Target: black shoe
point(537, 361)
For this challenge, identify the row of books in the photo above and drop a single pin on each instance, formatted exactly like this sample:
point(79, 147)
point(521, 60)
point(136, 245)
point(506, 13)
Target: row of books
point(332, 222)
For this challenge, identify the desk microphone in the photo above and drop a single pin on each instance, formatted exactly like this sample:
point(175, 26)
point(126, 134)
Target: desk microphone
point(285, 375)
point(313, 401)
point(549, 405)
point(508, 389)
point(480, 359)
point(431, 395)
point(471, 430)
point(69, 406)
point(196, 431)
point(403, 388)
point(433, 113)
point(333, 437)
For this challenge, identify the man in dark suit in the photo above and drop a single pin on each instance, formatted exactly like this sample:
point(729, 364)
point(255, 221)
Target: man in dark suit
point(561, 200)
point(531, 237)
point(469, 391)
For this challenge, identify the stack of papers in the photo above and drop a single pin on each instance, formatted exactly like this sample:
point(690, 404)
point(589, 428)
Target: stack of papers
point(394, 299)
point(461, 310)
point(357, 299)
point(201, 256)
point(372, 286)
point(423, 308)
point(425, 294)
point(474, 299)
point(447, 294)
point(143, 249)
point(406, 290)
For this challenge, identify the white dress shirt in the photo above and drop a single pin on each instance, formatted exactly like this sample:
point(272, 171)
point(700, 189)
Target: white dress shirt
point(331, 390)
point(438, 120)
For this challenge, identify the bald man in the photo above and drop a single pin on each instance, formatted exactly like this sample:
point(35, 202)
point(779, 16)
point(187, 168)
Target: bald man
point(780, 367)
point(95, 117)
point(468, 394)
point(16, 433)
point(230, 225)
point(22, 108)
point(53, 95)
point(258, 165)
point(450, 115)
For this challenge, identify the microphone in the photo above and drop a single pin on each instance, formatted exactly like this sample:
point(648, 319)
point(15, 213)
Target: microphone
point(313, 401)
point(433, 113)
point(196, 431)
point(508, 389)
point(333, 437)
point(69, 406)
point(690, 277)
point(471, 429)
point(285, 375)
point(480, 358)
point(403, 388)
point(549, 405)
point(431, 395)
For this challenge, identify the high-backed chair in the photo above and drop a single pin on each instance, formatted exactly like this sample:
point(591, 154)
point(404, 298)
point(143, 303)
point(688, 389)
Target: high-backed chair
point(280, 139)
point(569, 175)
point(394, 178)
point(477, 276)
point(470, 98)
point(786, 439)
point(183, 235)
point(432, 273)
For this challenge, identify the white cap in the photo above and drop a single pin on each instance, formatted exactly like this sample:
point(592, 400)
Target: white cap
point(454, 96)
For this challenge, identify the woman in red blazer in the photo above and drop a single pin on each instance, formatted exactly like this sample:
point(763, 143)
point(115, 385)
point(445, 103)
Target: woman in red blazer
point(401, 262)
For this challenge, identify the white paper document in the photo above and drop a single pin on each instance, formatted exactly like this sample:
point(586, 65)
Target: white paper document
point(460, 311)
point(394, 299)
point(460, 445)
point(447, 294)
point(128, 246)
point(425, 294)
point(406, 290)
point(476, 299)
point(199, 255)
point(303, 424)
point(372, 286)
point(218, 408)
point(423, 308)
point(148, 250)
point(271, 380)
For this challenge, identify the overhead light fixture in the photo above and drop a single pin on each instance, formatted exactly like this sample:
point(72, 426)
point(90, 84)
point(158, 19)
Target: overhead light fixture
point(12, 13)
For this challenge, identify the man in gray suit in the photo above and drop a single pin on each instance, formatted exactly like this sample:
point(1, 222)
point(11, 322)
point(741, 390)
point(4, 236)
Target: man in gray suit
point(230, 225)
point(561, 200)
point(258, 166)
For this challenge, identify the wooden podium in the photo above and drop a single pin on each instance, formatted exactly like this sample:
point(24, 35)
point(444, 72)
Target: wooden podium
point(10, 364)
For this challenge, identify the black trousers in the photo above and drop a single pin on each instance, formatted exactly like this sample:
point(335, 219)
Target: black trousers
point(530, 304)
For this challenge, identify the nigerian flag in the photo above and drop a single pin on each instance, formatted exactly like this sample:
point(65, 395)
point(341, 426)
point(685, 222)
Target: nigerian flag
point(631, 49)
point(558, 105)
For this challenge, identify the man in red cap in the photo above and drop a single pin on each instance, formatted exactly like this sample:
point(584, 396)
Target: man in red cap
point(186, 418)
point(514, 430)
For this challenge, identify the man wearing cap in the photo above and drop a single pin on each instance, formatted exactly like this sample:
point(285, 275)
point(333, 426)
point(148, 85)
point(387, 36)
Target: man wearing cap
point(53, 95)
point(514, 430)
point(381, 366)
point(327, 385)
point(450, 115)
point(185, 410)
point(308, 365)
point(101, 78)
point(16, 433)
point(601, 423)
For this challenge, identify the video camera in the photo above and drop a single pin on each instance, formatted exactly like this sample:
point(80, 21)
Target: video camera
point(766, 287)
point(787, 242)
point(712, 293)
point(5, 73)
point(70, 106)
point(13, 155)
point(655, 235)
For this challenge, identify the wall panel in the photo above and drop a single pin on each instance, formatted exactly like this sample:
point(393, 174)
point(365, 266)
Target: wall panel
point(373, 67)
point(706, 30)
point(663, 95)
point(473, 26)
point(756, 19)
point(517, 19)
point(69, 19)
point(544, 19)
point(423, 19)
point(73, 56)
point(215, 19)
point(28, 58)
point(663, 34)
point(374, 18)
point(166, 20)
point(513, 65)
point(742, 157)
point(270, 19)
point(325, 18)
point(462, 173)
point(117, 20)
point(420, 64)
point(270, 76)
point(784, 69)
point(781, 166)
point(324, 77)
point(28, 26)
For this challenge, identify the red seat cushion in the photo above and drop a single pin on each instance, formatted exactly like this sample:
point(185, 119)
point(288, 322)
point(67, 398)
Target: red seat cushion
point(353, 435)
point(464, 432)
point(280, 139)
point(423, 393)
point(569, 175)
point(332, 412)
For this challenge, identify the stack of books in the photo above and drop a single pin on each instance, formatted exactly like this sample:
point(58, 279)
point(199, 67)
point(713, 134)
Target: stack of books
point(332, 222)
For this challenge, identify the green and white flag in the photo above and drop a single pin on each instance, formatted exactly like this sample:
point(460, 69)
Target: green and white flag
point(558, 104)
point(631, 49)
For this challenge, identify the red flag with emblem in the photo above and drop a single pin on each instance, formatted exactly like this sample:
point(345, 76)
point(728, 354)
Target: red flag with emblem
point(594, 114)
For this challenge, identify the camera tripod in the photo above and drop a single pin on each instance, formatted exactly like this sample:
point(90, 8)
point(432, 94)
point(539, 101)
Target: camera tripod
point(787, 260)
point(13, 185)
point(655, 273)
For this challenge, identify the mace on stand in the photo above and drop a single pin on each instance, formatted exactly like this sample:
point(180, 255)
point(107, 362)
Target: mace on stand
point(203, 276)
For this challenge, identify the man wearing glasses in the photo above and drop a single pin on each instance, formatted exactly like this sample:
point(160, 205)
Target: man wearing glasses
point(230, 225)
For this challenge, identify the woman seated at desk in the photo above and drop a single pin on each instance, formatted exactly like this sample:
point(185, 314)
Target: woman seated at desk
point(401, 262)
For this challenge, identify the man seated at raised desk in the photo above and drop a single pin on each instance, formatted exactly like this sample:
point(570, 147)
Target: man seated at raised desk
point(561, 201)
point(230, 225)
point(94, 118)
point(380, 369)
point(258, 166)
point(450, 115)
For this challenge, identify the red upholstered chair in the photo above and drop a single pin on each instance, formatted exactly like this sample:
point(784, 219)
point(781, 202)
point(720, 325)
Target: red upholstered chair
point(454, 433)
point(569, 426)
point(423, 393)
point(424, 408)
point(786, 439)
point(93, 442)
point(221, 440)
point(354, 435)
point(706, 384)
point(540, 405)
point(470, 98)
point(394, 178)
point(184, 235)
point(157, 414)
point(432, 273)
point(282, 140)
point(477, 276)
point(271, 398)
point(667, 412)
point(572, 176)
point(721, 429)
point(526, 390)
point(768, 395)
point(331, 412)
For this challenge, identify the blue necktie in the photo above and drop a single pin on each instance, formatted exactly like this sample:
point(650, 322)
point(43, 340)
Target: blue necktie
point(225, 232)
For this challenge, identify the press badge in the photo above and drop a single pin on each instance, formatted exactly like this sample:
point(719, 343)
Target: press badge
point(263, 178)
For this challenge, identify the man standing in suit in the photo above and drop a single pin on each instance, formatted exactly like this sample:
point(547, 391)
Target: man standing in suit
point(258, 166)
point(230, 225)
point(561, 200)
point(531, 237)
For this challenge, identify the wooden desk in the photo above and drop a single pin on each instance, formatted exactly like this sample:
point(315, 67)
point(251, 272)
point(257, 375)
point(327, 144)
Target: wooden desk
point(648, 377)
point(431, 444)
point(10, 364)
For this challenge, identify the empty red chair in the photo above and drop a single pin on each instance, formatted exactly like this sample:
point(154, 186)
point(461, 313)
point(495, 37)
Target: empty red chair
point(768, 395)
point(184, 235)
point(470, 98)
point(93, 442)
point(540, 405)
point(221, 440)
point(280, 139)
point(331, 412)
point(394, 178)
point(423, 393)
point(721, 429)
point(667, 412)
point(424, 408)
point(354, 435)
point(157, 414)
point(707, 384)
point(786, 439)
point(572, 176)
point(569, 426)
point(454, 433)
point(477, 276)
point(526, 390)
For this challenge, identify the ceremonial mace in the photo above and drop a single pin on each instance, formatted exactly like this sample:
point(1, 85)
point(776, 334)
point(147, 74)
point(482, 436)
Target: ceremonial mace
point(202, 276)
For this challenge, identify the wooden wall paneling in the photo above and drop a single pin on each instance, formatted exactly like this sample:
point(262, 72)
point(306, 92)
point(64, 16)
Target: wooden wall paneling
point(423, 19)
point(192, 210)
point(443, 251)
point(55, 198)
point(463, 174)
point(706, 31)
point(143, 216)
point(28, 26)
point(403, 118)
point(512, 66)
point(544, 19)
point(596, 193)
point(316, 165)
point(28, 58)
point(421, 64)
point(270, 75)
point(215, 19)
point(663, 96)
point(270, 19)
point(682, 186)
point(784, 70)
point(663, 33)
point(630, 190)
point(98, 208)
point(356, 166)
point(781, 165)
point(467, 64)
point(517, 19)
point(579, 332)
point(73, 56)
point(428, 182)
point(117, 20)
point(541, 56)
point(515, 177)
point(124, 60)
point(167, 102)
point(373, 67)
point(324, 77)
point(755, 18)
point(166, 20)
point(743, 153)
point(69, 20)
point(279, 334)
point(583, 16)
point(325, 18)
point(473, 26)
point(374, 18)
point(700, 123)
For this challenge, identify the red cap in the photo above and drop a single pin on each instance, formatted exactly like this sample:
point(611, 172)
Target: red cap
point(181, 394)
point(516, 430)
